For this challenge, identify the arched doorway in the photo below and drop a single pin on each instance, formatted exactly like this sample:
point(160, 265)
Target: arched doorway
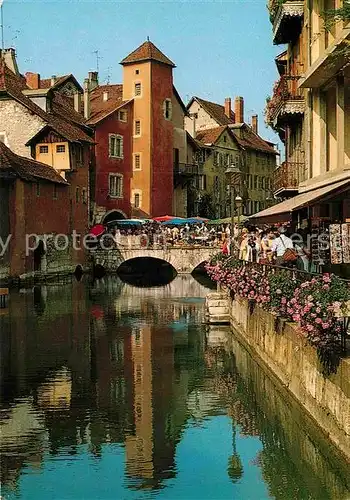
point(38, 256)
point(113, 215)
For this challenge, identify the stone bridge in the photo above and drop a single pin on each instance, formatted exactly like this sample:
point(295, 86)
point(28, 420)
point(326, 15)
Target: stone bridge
point(184, 259)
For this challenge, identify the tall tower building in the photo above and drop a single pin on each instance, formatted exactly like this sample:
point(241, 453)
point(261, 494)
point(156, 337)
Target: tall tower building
point(148, 80)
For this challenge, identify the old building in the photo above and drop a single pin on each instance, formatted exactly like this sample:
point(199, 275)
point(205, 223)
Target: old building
point(29, 191)
point(257, 157)
point(219, 150)
point(52, 132)
point(148, 80)
point(310, 108)
point(310, 105)
point(114, 161)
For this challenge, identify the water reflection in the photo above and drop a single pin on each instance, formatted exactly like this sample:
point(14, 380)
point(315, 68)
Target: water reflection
point(128, 387)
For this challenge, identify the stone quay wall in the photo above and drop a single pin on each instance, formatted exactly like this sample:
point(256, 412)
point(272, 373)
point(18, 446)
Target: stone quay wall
point(325, 398)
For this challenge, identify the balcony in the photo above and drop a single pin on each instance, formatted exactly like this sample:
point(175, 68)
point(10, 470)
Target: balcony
point(286, 102)
point(184, 172)
point(287, 178)
point(286, 17)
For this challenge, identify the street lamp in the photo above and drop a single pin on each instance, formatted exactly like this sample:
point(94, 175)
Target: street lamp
point(234, 174)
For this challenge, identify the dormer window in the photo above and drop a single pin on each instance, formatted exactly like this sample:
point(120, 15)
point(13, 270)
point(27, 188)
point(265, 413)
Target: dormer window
point(137, 89)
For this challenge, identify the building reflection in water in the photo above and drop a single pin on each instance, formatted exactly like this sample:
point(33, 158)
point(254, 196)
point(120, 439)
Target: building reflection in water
point(87, 365)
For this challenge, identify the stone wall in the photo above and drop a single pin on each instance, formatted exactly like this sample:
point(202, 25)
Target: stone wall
point(11, 114)
point(183, 259)
point(326, 399)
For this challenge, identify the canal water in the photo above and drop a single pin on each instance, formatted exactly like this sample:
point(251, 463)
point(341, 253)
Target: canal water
point(110, 391)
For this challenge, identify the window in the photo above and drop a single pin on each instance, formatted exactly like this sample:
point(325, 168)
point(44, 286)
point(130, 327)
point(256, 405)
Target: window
point(116, 185)
point(115, 146)
point(137, 71)
point(43, 150)
point(260, 182)
point(167, 109)
point(137, 161)
point(228, 160)
point(137, 200)
point(38, 189)
point(79, 154)
point(60, 148)
point(55, 193)
point(137, 129)
point(84, 196)
point(77, 195)
point(137, 89)
point(255, 182)
point(224, 138)
point(220, 159)
point(123, 116)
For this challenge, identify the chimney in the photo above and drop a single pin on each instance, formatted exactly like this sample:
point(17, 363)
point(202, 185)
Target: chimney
point(239, 110)
point(255, 123)
point(77, 102)
point(193, 117)
point(228, 108)
point(33, 80)
point(105, 96)
point(93, 79)
point(86, 99)
point(53, 80)
point(9, 57)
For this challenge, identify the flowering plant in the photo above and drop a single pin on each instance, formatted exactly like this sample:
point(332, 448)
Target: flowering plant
point(315, 304)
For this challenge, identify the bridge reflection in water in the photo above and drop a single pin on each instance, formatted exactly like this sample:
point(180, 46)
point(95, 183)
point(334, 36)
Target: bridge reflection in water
point(128, 387)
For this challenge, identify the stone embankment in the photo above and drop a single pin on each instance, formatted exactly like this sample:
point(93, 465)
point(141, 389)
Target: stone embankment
point(295, 364)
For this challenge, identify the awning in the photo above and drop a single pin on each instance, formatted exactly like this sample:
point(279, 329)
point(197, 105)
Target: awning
point(282, 211)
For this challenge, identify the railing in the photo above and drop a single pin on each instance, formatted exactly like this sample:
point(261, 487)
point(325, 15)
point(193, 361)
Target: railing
point(288, 176)
point(285, 89)
point(187, 168)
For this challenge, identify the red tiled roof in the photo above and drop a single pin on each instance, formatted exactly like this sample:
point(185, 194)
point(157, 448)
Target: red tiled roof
point(45, 83)
point(147, 52)
point(210, 135)
point(100, 109)
point(216, 111)
point(61, 120)
point(249, 139)
point(26, 168)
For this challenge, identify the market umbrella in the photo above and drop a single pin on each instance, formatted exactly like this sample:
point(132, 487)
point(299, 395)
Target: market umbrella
point(176, 221)
point(164, 218)
point(130, 222)
point(97, 230)
point(196, 220)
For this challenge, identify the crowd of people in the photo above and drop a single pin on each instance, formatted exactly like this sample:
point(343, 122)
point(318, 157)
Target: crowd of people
point(153, 233)
point(269, 246)
point(266, 246)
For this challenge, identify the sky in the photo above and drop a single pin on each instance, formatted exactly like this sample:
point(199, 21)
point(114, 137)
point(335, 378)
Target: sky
point(221, 48)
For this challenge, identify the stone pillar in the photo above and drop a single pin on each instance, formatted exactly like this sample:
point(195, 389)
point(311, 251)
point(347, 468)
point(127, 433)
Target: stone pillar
point(340, 121)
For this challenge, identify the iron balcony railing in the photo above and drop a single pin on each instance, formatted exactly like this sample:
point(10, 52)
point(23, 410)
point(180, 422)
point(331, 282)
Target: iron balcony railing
point(288, 176)
point(285, 91)
point(187, 169)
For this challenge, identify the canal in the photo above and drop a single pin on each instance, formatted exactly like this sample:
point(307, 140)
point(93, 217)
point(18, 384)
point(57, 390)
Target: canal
point(112, 391)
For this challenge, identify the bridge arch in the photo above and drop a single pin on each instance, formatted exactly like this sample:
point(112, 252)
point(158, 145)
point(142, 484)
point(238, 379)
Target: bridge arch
point(146, 271)
point(183, 259)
